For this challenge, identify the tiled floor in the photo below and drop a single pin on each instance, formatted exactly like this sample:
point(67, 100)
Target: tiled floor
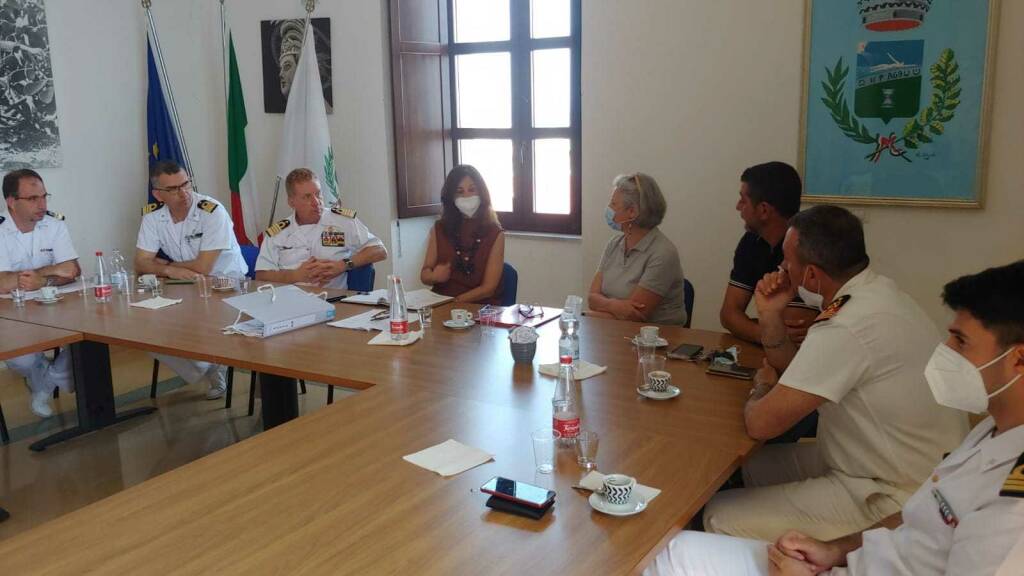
point(36, 487)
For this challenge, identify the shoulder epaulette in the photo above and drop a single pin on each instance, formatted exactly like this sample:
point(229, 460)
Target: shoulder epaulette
point(278, 226)
point(151, 207)
point(208, 206)
point(346, 212)
point(1013, 486)
point(832, 309)
point(56, 215)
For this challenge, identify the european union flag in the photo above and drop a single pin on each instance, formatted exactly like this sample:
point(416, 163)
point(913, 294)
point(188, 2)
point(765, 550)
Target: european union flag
point(164, 143)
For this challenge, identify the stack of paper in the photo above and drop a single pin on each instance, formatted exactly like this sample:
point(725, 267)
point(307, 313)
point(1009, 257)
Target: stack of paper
point(449, 458)
point(367, 321)
point(414, 300)
point(156, 303)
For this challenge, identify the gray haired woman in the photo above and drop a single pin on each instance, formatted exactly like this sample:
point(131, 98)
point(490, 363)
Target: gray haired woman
point(640, 278)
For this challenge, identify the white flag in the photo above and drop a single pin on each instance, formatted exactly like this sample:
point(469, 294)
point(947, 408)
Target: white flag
point(307, 141)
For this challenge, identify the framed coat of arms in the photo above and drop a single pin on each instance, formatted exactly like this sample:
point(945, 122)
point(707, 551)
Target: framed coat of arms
point(896, 100)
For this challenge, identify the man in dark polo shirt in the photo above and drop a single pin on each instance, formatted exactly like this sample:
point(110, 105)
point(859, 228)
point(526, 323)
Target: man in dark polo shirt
point(769, 197)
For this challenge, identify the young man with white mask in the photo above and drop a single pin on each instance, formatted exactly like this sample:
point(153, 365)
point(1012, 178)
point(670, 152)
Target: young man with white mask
point(968, 515)
point(315, 244)
point(861, 367)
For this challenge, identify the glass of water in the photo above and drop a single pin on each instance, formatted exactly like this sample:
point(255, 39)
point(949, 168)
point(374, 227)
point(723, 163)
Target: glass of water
point(426, 316)
point(18, 297)
point(544, 449)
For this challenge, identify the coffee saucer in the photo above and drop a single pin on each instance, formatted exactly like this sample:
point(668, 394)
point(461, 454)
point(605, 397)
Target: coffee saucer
point(659, 343)
point(670, 392)
point(54, 301)
point(459, 325)
point(635, 505)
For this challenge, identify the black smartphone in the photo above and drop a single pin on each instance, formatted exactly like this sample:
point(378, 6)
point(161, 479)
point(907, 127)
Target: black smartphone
point(521, 492)
point(732, 371)
point(686, 352)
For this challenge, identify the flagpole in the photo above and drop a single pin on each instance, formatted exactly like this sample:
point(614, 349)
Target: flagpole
point(310, 6)
point(169, 93)
point(224, 50)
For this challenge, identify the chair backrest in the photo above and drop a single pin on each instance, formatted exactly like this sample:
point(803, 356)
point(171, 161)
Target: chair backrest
point(361, 279)
point(250, 254)
point(509, 284)
point(688, 297)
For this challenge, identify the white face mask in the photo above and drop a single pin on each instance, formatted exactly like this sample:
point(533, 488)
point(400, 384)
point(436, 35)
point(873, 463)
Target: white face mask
point(957, 383)
point(813, 299)
point(468, 205)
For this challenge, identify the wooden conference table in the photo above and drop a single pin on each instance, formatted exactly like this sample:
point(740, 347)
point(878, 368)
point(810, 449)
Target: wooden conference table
point(329, 492)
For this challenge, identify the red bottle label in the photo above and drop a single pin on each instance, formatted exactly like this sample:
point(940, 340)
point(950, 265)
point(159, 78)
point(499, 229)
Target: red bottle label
point(399, 326)
point(102, 291)
point(568, 428)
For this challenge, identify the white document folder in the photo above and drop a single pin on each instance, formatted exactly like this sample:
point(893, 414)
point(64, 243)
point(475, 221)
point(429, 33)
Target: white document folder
point(283, 309)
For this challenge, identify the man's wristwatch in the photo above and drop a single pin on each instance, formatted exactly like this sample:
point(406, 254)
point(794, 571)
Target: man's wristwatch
point(349, 264)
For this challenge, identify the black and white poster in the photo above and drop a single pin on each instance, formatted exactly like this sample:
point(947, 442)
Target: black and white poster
point(28, 108)
point(282, 46)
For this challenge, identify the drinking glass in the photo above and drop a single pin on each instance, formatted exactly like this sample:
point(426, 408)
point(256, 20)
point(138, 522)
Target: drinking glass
point(544, 449)
point(203, 285)
point(18, 297)
point(650, 364)
point(586, 449)
point(243, 285)
point(426, 316)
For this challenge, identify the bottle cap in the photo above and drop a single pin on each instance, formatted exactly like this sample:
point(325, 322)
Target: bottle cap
point(565, 359)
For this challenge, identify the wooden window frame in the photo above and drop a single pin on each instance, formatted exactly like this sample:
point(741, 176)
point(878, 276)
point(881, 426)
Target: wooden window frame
point(522, 133)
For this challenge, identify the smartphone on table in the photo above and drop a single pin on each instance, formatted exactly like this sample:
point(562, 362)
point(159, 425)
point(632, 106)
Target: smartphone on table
point(732, 371)
point(689, 352)
point(518, 492)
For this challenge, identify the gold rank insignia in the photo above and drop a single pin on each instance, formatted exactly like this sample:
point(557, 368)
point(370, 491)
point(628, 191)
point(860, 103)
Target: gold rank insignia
point(832, 309)
point(1013, 486)
point(56, 215)
point(278, 226)
point(346, 212)
point(208, 206)
point(332, 239)
point(151, 207)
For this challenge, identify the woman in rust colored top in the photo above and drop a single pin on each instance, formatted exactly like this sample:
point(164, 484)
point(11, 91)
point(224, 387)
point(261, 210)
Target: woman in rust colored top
point(467, 245)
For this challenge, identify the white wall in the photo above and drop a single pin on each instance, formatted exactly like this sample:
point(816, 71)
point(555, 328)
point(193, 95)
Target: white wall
point(690, 91)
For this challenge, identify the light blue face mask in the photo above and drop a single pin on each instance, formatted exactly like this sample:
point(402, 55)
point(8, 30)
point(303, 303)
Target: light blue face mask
point(609, 217)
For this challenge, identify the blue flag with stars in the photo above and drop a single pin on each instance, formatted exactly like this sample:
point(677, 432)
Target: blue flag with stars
point(164, 143)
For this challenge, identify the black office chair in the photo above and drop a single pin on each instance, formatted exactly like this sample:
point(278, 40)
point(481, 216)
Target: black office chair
point(5, 437)
point(509, 285)
point(688, 297)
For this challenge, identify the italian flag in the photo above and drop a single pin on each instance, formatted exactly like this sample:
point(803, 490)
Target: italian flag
point(245, 207)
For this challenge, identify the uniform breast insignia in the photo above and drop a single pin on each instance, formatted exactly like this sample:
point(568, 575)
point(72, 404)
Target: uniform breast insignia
point(55, 215)
point(208, 206)
point(151, 207)
point(332, 238)
point(832, 309)
point(346, 212)
point(278, 226)
point(1013, 486)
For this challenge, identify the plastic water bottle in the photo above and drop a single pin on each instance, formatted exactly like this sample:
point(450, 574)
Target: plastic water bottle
point(569, 323)
point(102, 289)
point(118, 271)
point(399, 313)
point(564, 404)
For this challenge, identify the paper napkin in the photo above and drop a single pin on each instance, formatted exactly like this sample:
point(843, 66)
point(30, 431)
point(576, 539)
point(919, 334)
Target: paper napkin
point(585, 370)
point(449, 458)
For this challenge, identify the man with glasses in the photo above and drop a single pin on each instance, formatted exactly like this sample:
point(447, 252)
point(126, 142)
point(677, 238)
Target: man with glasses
point(35, 251)
point(313, 244)
point(196, 234)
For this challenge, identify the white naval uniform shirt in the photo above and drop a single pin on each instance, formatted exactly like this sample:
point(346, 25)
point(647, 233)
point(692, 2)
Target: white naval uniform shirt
point(47, 244)
point(206, 227)
point(286, 245)
point(987, 525)
point(880, 431)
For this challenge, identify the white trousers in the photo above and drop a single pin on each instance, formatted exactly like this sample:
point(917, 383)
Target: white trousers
point(702, 554)
point(42, 373)
point(789, 487)
point(191, 371)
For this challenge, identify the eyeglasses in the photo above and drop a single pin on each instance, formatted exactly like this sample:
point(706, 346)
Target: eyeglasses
point(530, 311)
point(35, 199)
point(179, 189)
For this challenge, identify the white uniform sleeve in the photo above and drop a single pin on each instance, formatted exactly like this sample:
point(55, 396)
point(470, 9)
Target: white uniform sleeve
point(5, 262)
point(829, 364)
point(363, 237)
point(63, 248)
point(217, 230)
point(149, 239)
point(268, 258)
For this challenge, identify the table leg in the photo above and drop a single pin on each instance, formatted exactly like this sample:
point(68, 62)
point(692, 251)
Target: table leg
point(94, 391)
point(280, 400)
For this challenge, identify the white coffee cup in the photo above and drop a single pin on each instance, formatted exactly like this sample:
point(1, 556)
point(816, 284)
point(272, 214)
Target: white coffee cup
point(148, 280)
point(461, 315)
point(48, 293)
point(618, 488)
point(649, 334)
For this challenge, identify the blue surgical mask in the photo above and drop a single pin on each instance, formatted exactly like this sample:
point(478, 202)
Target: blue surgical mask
point(609, 217)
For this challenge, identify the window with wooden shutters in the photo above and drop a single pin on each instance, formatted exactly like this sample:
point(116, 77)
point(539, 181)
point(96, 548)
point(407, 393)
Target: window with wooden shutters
point(513, 84)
